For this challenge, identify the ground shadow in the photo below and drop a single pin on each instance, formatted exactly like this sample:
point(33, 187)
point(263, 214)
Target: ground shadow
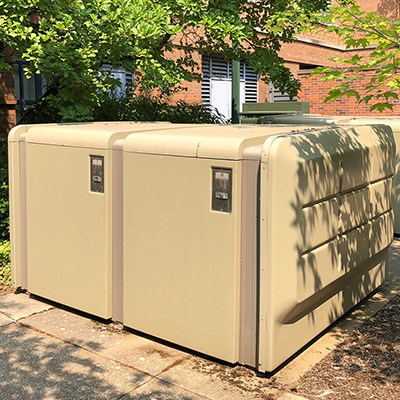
point(36, 366)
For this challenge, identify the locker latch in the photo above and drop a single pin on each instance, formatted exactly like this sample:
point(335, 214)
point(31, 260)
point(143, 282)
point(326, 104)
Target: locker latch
point(97, 174)
point(222, 189)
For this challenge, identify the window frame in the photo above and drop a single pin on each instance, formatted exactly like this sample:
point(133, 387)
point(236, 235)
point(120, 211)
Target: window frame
point(38, 85)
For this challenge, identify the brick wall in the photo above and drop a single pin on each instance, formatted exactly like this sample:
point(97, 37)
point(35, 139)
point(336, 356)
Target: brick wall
point(389, 8)
point(314, 91)
point(263, 91)
point(328, 37)
point(316, 53)
point(189, 91)
point(317, 50)
point(385, 7)
point(7, 101)
point(263, 88)
point(7, 120)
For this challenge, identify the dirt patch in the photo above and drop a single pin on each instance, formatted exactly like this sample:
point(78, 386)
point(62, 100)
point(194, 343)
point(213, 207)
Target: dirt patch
point(160, 353)
point(242, 378)
point(365, 366)
point(114, 327)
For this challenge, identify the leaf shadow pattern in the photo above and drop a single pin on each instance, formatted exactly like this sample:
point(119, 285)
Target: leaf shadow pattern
point(389, 8)
point(343, 187)
point(160, 389)
point(16, 309)
point(36, 366)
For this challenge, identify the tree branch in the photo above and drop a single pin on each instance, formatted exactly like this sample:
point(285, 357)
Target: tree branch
point(373, 29)
point(163, 42)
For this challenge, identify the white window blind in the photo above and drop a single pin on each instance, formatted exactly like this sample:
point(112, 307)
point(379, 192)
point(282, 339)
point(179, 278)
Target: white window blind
point(215, 67)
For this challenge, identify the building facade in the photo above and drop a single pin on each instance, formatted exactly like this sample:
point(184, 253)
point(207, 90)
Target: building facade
point(302, 56)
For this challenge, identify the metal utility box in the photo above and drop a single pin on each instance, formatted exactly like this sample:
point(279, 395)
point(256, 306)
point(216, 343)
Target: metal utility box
point(276, 108)
point(63, 181)
point(315, 119)
point(245, 242)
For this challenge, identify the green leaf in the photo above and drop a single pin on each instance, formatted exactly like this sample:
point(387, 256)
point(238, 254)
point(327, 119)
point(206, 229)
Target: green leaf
point(381, 107)
point(74, 38)
point(366, 99)
point(360, 29)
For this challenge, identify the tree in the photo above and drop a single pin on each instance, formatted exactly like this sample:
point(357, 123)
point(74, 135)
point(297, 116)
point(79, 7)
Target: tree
point(362, 30)
point(68, 41)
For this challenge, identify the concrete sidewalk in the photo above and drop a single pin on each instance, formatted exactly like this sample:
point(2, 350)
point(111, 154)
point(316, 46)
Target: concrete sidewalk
point(51, 353)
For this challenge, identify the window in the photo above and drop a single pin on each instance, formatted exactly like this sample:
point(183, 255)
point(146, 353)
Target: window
point(275, 96)
point(126, 78)
point(326, 9)
point(307, 66)
point(216, 83)
point(27, 91)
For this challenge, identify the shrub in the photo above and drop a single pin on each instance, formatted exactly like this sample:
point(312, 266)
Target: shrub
point(146, 108)
point(130, 108)
point(5, 263)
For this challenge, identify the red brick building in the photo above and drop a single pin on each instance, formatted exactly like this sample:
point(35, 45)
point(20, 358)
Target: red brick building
point(8, 101)
point(317, 49)
point(301, 57)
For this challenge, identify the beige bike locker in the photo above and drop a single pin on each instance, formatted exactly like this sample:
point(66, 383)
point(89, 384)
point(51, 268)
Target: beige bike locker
point(315, 119)
point(245, 242)
point(62, 181)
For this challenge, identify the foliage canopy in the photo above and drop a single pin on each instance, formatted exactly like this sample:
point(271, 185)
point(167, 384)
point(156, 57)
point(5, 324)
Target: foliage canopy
point(69, 41)
point(364, 30)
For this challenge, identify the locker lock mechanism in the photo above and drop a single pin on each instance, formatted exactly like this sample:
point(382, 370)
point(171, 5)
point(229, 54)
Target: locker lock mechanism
point(222, 195)
point(222, 189)
point(97, 174)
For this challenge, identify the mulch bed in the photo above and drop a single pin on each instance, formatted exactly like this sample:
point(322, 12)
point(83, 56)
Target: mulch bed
point(366, 365)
